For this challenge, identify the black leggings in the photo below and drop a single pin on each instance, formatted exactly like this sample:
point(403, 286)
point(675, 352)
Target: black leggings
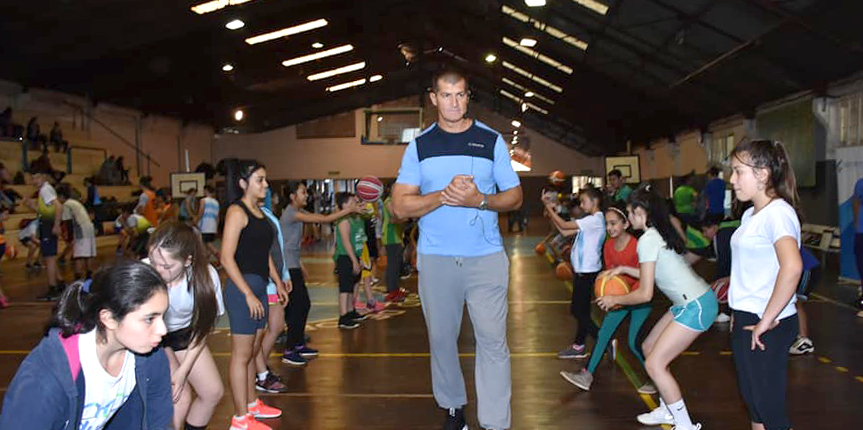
point(579, 306)
point(297, 311)
point(762, 376)
point(395, 255)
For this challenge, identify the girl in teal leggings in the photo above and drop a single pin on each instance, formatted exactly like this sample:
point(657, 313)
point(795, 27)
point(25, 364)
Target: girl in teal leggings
point(621, 259)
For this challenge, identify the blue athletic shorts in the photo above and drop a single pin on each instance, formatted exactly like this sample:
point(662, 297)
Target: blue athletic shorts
point(698, 314)
point(238, 311)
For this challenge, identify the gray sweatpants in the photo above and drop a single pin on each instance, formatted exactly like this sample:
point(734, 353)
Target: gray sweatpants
point(445, 284)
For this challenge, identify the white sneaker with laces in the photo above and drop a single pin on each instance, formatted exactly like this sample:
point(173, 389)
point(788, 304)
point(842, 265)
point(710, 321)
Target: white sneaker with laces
point(803, 345)
point(656, 417)
point(694, 427)
point(722, 318)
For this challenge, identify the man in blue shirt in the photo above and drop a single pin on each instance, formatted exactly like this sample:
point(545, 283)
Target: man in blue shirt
point(714, 190)
point(857, 200)
point(455, 177)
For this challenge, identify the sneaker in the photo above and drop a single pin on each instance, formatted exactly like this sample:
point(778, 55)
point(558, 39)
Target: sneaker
point(356, 316)
point(656, 417)
point(348, 323)
point(573, 351)
point(696, 426)
point(803, 345)
point(305, 351)
point(271, 384)
point(722, 318)
point(248, 422)
point(455, 419)
point(647, 388)
point(260, 410)
point(581, 379)
point(396, 296)
point(375, 306)
point(358, 304)
point(293, 357)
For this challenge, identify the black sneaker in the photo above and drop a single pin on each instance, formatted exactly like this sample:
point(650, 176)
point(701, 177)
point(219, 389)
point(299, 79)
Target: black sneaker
point(293, 357)
point(356, 316)
point(455, 419)
point(53, 294)
point(348, 323)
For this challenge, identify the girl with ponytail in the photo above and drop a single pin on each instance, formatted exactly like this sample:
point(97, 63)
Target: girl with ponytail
point(99, 366)
point(195, 300)
point(765, 270)
point(694, 306)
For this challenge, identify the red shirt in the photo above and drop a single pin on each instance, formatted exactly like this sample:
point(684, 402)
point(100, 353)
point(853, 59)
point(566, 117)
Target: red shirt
point(628, 257)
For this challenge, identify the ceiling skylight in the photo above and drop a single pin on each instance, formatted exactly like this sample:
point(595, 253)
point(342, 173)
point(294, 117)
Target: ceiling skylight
point(266, 37)
point(214, 5)
point(535, 54)
point(541, 26)
point(339, 71)
point(318, 55)
point(531, 76)
point(527, 91)
point(593, 5)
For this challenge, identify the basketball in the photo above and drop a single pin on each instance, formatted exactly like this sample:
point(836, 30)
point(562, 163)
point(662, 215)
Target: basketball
point(563, 271)
point(369, 188)
point(720, 288)
point(610, 286)
point(540, 248)
point(556, 177)
point(11, 251)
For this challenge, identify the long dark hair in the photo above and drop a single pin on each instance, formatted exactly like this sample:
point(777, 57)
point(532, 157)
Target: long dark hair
point(646, 198)
point(292, 188)
point(593, 193)
point(772, 156)
point(120, 289)
point(244, 171)
point(181, 242)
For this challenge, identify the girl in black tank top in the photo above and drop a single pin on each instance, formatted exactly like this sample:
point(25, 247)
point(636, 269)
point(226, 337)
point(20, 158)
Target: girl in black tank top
point(246, 242)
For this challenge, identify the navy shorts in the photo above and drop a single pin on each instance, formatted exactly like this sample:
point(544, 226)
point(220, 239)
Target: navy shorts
point(238, 311)
point(47, 238)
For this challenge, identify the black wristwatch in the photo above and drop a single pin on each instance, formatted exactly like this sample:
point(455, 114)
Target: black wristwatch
point(484, 204)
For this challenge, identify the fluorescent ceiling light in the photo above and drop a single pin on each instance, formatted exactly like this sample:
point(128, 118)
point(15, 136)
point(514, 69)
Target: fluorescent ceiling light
point(515, 132)
point(317, 45)
point(527, 41)
point(214, 5)
point(527, 91)
point(541, 26)
point(516, 123)
point(593, 5)
point(375, 78)
point(266, 37)
point(239, 114)
point(330, 73)
point(318, 55)
point(531, 76)
point(535, 54)
point(227, 67)
point(524, 105)
point(537, 108)
point(345, 85)
point(490, 58)
point(235, 25)
point(534, 3)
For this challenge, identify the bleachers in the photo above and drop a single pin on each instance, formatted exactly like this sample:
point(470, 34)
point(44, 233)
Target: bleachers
point(86, 161)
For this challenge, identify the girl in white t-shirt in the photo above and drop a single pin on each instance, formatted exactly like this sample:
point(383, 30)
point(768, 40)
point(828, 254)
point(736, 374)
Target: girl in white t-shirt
point(765, 269)
point(195, 300)
point(586, 258)
point(694, 306)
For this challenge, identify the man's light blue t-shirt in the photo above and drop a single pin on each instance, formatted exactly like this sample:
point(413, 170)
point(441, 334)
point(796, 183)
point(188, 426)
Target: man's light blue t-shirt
point(432, 160)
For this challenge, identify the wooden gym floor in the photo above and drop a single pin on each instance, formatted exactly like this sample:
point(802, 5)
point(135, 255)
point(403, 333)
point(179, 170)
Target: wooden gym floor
point(377, 377)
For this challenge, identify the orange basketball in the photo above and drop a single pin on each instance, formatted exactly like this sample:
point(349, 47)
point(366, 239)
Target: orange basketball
point(610, 286)
point(556, 177)
point(11, 251)
point(540, 249)
point(563, 271)
point(720, 288)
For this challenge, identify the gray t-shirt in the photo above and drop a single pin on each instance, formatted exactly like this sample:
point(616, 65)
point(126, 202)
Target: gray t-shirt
point(292, 228)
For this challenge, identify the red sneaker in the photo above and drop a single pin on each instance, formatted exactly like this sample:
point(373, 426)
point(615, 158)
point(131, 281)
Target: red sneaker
point(260, 410)
point(248, 422)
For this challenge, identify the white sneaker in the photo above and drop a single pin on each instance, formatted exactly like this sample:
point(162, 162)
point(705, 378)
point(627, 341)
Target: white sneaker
point(803, 345)
point(656, 417)
point(722, 318)
point(696, 426)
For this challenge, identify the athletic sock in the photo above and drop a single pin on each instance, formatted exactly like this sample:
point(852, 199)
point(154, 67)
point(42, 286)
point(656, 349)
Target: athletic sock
point(681, 415)
point(263, 375)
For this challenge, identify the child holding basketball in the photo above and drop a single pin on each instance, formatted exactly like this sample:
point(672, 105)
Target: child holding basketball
point(694, 306)
point(586, 261)
point(621, 259)
point(765, 271)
